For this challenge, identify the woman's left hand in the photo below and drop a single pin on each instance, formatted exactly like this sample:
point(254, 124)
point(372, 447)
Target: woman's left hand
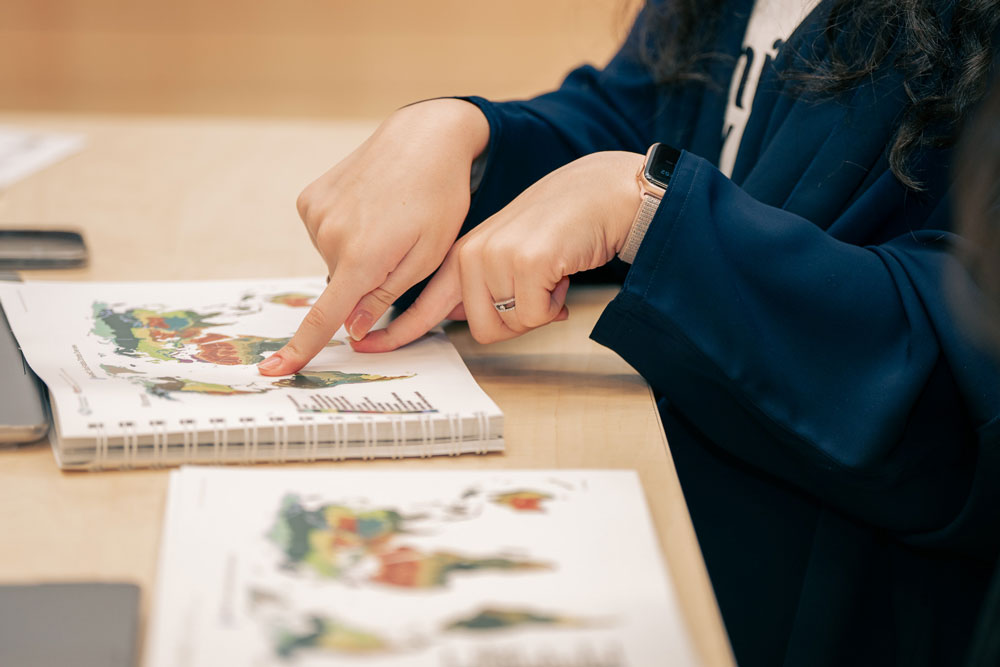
point(575, 218)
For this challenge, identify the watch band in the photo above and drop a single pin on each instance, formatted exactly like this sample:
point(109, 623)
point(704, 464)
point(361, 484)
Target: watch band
point(644, 216)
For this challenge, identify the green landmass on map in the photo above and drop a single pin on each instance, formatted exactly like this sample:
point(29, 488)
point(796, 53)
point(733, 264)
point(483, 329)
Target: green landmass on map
point(504, 619)
point(185, 336)
point(166, 335)
point(165, 386)
point(333, 540)
point(334, 636)
point(327, 379)
point(118, 370)
point(329, 635)
point(159, 335)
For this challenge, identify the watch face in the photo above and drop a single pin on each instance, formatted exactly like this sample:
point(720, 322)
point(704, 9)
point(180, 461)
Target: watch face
point(661, 163)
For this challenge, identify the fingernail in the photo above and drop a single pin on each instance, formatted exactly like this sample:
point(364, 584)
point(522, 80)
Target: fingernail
point(270, 363)
point(358, 326)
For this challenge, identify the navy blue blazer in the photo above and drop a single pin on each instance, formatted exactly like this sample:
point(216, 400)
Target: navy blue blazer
point(835, 430)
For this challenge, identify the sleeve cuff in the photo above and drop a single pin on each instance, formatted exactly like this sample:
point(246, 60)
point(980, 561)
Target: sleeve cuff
point(651, 247)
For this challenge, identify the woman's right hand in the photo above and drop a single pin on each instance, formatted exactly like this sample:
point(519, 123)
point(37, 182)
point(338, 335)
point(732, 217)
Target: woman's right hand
point(384, 218)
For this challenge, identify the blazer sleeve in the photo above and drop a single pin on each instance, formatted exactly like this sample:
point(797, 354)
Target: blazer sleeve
point(613, 108)
point(836, 368)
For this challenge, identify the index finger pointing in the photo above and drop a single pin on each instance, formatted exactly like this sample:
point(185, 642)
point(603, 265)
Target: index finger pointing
point(320, 323)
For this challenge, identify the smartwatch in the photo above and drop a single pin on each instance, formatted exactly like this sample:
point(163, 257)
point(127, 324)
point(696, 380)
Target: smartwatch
point(653, 178)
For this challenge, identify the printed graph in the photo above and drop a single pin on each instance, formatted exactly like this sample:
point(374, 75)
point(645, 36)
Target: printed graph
point(416, 403)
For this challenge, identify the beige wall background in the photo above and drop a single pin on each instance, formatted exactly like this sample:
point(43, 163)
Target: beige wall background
point(319, 58)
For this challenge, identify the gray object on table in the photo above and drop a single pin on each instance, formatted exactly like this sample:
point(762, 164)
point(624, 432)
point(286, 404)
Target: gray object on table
point(23, 408)
point(71, 624)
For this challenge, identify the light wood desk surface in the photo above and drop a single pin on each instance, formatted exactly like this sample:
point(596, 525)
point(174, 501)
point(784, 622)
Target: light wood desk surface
point(167, 198)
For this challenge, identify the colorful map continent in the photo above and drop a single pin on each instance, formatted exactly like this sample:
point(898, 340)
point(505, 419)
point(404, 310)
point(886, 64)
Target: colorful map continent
point(327, 379)
point(165, 335)
point(503, 619)
point(336, 542)
point(240, 351)
point(329, 635)
point(293, 299)
point(522, 501)
point(165, 386)
point(117, 370)
point(411, 568)
point(155, 334)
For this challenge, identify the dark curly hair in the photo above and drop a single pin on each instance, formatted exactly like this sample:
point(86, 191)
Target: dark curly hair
point(944, 47)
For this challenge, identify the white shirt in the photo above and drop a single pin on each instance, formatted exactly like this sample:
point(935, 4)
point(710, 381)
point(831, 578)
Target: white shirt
point(771, 24)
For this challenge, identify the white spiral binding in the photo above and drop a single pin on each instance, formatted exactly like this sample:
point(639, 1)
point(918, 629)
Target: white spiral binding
point(427, 435)
point(190, 435)
point(280, 431)
point(337, 440)
point(100, 445)
point(309, 434)
point(249, 439)
point(220, 439)
point(396, 422)
point(400, 437)
point(455, 422)
point(313, 451)
point(370, 435)
point(484, 431)
point(160, 442)
point(344, 441)
point(130, 443)
point(337, 445)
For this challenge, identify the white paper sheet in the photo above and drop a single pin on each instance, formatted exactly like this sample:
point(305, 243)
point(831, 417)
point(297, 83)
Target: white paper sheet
point(23, 152)
point(405, 568)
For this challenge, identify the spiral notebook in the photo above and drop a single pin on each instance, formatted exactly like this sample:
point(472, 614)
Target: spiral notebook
point(377, 568)
point(163, 373)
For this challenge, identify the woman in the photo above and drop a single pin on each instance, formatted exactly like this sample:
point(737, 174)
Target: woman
point(835, 432)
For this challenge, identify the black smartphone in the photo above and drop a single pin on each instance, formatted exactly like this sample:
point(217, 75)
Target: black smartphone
point(41, 249)
point(23, 408)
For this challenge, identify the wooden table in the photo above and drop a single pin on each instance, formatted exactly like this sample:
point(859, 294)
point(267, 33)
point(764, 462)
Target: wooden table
point(168, 198)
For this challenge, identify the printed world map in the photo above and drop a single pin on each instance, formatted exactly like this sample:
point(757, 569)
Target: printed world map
point(185, 336)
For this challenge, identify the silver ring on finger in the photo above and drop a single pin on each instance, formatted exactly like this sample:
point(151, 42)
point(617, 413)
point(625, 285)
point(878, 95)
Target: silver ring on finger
point(505, 305)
